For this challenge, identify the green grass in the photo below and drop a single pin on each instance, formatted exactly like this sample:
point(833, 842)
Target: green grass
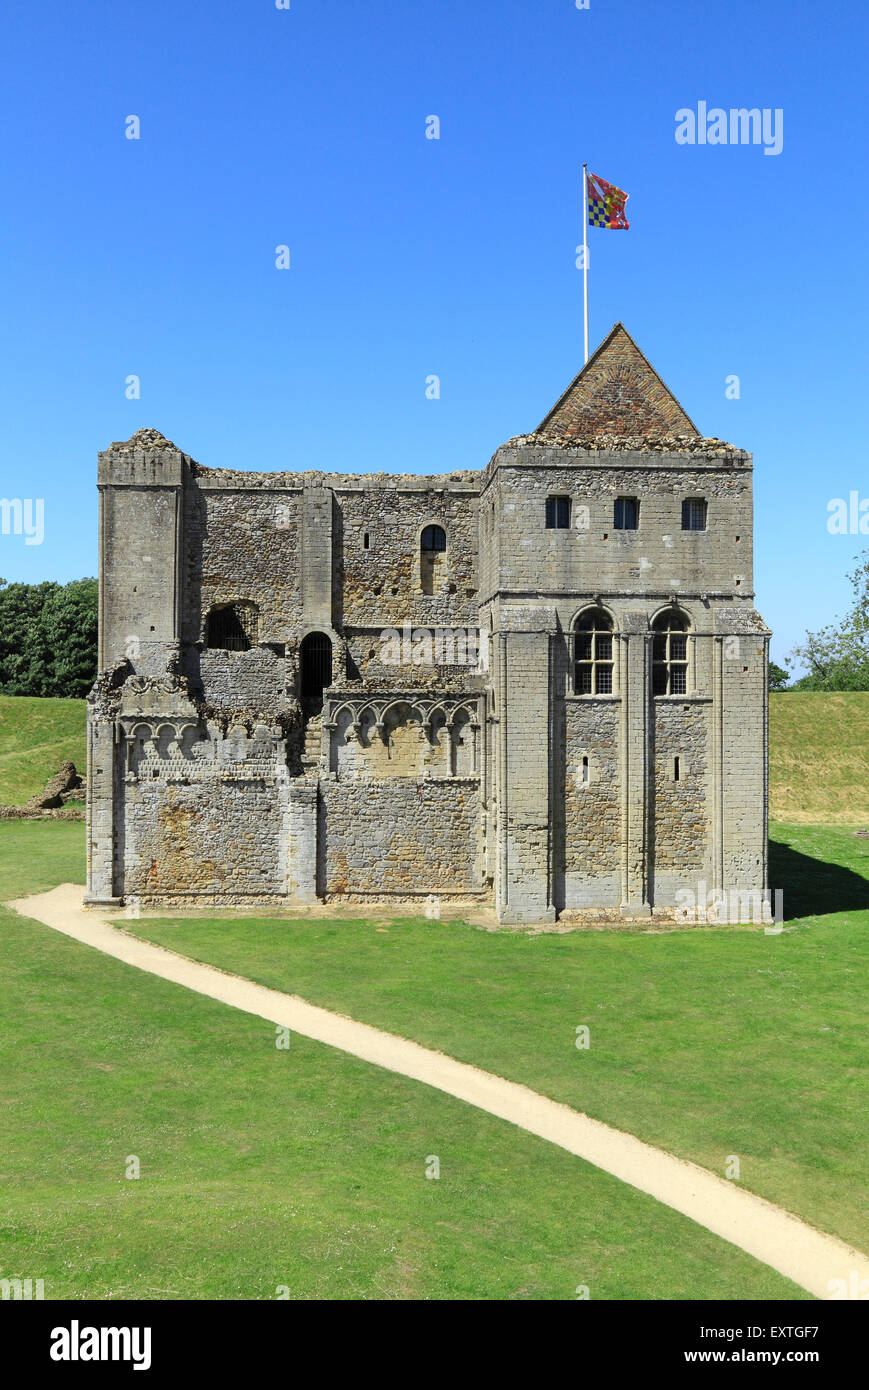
point(36, 736)
point(262, 1168)
point(819, 757)
point(704, 1042)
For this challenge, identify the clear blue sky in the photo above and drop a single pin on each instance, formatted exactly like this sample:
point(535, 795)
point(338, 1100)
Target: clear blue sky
point(411, 256)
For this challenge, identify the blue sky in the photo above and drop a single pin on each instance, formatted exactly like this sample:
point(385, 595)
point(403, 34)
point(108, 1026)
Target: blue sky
point(411, 257)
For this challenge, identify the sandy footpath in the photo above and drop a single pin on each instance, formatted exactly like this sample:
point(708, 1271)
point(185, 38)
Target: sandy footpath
point(783, 1242)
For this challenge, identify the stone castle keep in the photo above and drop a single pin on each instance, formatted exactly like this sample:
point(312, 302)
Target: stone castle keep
point(568, 719)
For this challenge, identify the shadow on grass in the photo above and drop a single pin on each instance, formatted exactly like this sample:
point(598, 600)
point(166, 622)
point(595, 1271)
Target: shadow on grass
point(813, 887)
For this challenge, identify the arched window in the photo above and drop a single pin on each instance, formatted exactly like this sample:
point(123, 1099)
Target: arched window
point(433, 538)
point(232, 627)
point(593, 653)
point(433, 559)
point(670, 653)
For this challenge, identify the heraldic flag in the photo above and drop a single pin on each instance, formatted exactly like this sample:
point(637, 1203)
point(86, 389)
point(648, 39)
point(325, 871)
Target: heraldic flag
point(606, 204)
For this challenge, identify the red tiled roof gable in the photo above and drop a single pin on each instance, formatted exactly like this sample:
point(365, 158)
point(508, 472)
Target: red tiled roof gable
point(618, 392)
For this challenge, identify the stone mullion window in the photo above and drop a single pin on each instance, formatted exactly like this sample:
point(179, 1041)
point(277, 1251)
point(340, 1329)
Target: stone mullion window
point(593, 655)
point(670, 655)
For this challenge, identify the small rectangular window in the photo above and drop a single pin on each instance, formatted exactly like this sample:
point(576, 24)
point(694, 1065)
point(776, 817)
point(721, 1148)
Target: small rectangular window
point(626, 514)
point(557, 513)
point(694, 514)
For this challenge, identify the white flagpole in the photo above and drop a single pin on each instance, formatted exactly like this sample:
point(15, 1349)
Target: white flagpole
point(585, 252)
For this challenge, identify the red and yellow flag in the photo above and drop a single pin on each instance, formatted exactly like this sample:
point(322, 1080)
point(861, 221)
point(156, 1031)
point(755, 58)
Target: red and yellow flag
point(606, 204)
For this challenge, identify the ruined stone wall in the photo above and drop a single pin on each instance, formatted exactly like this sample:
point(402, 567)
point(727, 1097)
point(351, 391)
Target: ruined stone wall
point(200, 813)
point(242, 543)
point(446, 656)
point(384, 585)
point(400, 837)
point(214, 838)
point(255, 680)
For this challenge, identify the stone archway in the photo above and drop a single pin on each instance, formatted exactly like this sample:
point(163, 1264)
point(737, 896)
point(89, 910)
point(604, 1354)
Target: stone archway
point(315, 665)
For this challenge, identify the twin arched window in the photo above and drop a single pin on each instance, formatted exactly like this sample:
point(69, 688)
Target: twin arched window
point(593, 657)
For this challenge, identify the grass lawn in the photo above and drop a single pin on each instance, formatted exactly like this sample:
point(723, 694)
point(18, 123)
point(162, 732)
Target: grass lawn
point(263, 1168)
point(36, 736)
point(706, 1042)
point(819, 757)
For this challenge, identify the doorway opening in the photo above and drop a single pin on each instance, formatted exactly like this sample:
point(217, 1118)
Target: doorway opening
point(315, 665)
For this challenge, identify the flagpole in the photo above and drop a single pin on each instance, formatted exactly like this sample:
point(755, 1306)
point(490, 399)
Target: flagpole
point(585, 253)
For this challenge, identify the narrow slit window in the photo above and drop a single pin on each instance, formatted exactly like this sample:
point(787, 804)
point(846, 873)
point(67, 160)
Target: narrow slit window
point(676, 768)
point(585, 770)
point(366, 541)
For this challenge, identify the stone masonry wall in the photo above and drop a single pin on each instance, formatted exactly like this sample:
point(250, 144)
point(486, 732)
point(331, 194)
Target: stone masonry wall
point(681, 808)
point(400, 837)
point(592, 811)
point(657, 557)
point(383, 585)
point(242, 544)
point(211, 838)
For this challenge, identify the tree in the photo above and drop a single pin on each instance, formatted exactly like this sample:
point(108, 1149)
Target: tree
point(778, 677)
point(48, 638)
point(838, 655)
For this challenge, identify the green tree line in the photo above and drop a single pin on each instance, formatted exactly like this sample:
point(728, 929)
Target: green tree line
point(48, 638)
